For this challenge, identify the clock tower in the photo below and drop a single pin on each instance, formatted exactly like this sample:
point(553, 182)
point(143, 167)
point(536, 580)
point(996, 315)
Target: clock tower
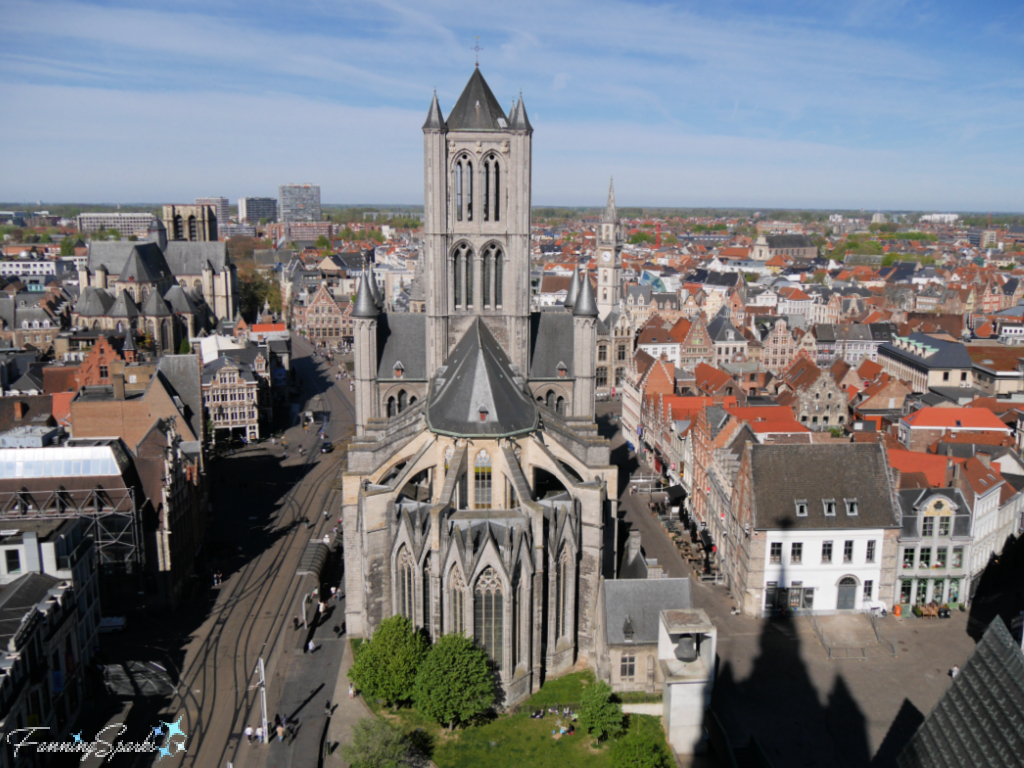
point(609, 258)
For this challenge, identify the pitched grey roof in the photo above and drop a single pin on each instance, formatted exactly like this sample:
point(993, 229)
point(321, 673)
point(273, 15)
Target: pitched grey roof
point(212, 367)
point(94, 303)
point(124, 306)
point(610, 213)
point(947, 354)
point(401, 338)
point(551, 343)
point(180, 301)
point(718, 329)
point(186, 258)
point(145, 264)
point(20, 598)
point(434, 120)
point(519, 121)
point(114, 256)
point(979, 721)
point(477, 109)
point(477, 392)
point(913, 498)
point(641, 601)
point(155, 306)
point(786, 474)
point(789, 241)
point(586, 305)
point(181, 372)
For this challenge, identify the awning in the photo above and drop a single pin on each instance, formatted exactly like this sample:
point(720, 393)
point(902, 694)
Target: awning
point(314, 556)
point(676, 493)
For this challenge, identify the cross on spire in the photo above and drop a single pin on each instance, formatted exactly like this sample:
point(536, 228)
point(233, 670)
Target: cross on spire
point(476, 48)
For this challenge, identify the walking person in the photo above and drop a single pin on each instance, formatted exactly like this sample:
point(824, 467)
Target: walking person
point(259, 734)
point(311, 646)
point(327, 539)
point(327, 708)
point(248, 733)
point(280, 733)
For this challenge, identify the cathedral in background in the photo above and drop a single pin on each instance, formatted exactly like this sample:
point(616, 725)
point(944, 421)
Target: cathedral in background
point(477, 487)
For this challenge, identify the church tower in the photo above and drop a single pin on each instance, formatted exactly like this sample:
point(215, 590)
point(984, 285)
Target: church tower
point(609, 258)
point(477, 176)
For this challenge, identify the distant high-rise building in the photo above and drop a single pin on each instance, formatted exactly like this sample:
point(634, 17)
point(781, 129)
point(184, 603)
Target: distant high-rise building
point(126, 223)
point(253, 210)
point(221, 207)
point(299, 202)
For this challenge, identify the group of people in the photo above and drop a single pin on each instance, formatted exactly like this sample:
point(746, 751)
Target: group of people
point(282, 727)
point(218, 578)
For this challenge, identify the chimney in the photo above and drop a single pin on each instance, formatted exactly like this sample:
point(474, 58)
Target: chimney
point(633, 545)
point(118, 381)
point(31, 542)
point(19, 411)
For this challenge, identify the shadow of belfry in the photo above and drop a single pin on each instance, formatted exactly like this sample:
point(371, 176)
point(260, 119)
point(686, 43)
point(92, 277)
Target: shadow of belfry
point(778, 712)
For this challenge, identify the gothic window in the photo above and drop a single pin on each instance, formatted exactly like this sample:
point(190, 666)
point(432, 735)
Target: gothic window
point(517, 652)
point(562, 594)
point(622, 352)
point(458, 601)
point(550, 402)
point(391, 407)
point(497, 191)
point(460, 263)
point(458, 191)
point(406, 589)
point(492, 265)
point(560, 405)
point(403, 401)
point(487, 189)
point(602, 376)
point(469, 191)
point(469, 278)
point(426, 598)
point(482, 481)
point(485, 276)
point(489, 615)
point(193, 232)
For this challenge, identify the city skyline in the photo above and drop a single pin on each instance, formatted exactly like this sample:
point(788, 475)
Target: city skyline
point(873, 107)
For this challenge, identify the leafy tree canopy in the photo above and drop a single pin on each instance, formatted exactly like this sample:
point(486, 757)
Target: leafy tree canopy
point(454, 685)
point(640, 748)
point(376, 743)
point(599, 713)
point(322, 242)
point(641, 237)
point(387, 664)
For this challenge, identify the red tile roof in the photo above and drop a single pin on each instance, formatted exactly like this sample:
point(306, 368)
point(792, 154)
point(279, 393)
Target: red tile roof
point(955, 418)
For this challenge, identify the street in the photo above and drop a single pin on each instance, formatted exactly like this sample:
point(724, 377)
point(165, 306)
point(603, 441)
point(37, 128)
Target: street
point(208, 649)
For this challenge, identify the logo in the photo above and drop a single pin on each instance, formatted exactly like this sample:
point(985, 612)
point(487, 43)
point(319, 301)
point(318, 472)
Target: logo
point(105, 745)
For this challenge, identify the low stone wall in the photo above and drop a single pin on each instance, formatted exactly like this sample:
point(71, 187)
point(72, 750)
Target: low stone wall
point(656, 708)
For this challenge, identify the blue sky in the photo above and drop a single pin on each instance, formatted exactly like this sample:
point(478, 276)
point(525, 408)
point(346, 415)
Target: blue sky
point(873, 104)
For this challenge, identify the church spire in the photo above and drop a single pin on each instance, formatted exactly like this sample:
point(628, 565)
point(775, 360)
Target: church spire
point(435, 122)
point(610, 213)
point(574, 288)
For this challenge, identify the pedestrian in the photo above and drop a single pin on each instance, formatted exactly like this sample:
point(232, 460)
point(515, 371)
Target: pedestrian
point(351, 691)
point(327, 539)
point(277, 720)
point(320, 608)
point(327, 708)
point(954, 671)
point(295, 621)
point(259, 734)
point(248, 733)
point(311, 646)
point(334, 592)
point(280, 733)
point(326, 514)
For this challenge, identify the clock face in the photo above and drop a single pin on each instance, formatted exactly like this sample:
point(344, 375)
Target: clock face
point(606, 256)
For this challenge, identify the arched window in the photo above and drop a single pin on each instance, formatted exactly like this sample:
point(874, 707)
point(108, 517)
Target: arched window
point(179, 232)
point(426, 598)
point(497, 191)
point(602, 376)
point(469, 278)
point(193, 231)
point(492, 265)
point(458, 601)
point(459, 264)
point(560, 405)
point(482, 481)
point(550, 402)
point(469, 190)
point(489, 615)
point(457, 183)
point(406, 589)
point(391, 407)
point(403, 401)
point(487, 189)
point(485, 277)
point(517, 652)
point(561, 594)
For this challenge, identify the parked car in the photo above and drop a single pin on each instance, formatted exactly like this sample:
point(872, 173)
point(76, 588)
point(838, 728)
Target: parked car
point(327, 447)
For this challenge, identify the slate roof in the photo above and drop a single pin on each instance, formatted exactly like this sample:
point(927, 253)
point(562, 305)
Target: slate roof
point(789, 241)
point(641, 601)
point(20, 598)
point(477, 109)
point(155, 306)
point(434, 120)
point(911, 499)
point(114, 256)
point(947, 354)
point(477, 392)
point(718, 330)
point(124, 306)
point(785, 474)
point(180, 301)
point(94, 303)
point(181, 373)
point(148, 268)
point(979, 721)
point(401, 338)
point(244, 371)
point(551, 343)
point(186, 258)
point(586, 305)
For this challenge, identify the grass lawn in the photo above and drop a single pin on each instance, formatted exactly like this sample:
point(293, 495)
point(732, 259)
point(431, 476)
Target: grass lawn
point(512, 741)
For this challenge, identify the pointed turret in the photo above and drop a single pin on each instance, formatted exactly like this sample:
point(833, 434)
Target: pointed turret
point(365, 306)
point(586, 305)
point(374, 290)
point(521, 121)
point(610, 213)
point(435, 122)
point(574, 289)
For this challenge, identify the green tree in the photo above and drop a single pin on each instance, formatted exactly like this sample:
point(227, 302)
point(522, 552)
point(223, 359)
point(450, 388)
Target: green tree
point(387, 664)
point(322, 242)
point(45, 238)
point(113, 234)
point(376, 743)
point(255, 290)
point(185, 348)
point(455, 684)
point(599, 714)
point(377, 236)
point(348, 234)
point(640, 748)
point(641, 237)
point(67, 246)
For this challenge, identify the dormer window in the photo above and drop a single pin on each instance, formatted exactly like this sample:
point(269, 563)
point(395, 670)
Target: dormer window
point(830, 507)
point(852, 507)
point(627, 630)
point(801, 508)
point(399, 369)
point(483, 413)
point(562, 370)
